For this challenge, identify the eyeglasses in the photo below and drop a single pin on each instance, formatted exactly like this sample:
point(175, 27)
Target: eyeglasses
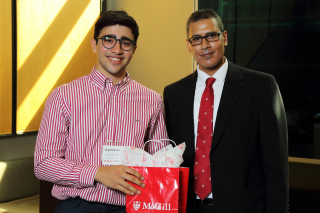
point(210, 37)
point(109, 42)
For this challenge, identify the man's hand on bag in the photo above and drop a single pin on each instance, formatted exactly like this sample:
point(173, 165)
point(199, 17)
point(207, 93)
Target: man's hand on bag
point(115, 177)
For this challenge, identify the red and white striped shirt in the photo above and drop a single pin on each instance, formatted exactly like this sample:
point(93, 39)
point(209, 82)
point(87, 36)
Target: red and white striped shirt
point(82, 116)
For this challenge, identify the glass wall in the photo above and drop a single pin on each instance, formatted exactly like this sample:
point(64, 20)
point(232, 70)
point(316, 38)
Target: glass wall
point(281, 38)
point(5, 68)
point(53, 48)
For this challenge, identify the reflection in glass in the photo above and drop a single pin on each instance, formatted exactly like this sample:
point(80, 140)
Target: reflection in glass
point(281, 38)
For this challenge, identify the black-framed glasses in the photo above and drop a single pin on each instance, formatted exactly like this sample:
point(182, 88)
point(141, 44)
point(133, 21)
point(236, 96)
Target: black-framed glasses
point(109, 42)
point(210, 37)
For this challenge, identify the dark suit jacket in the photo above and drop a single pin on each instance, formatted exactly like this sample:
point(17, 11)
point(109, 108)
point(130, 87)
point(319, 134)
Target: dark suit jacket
point(249, 157)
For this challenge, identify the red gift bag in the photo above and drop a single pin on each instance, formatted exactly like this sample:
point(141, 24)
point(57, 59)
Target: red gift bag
point(166, 191)
point(183, 188)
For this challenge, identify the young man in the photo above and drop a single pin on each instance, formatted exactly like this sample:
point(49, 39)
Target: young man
point(105, 107)
point(233, 122)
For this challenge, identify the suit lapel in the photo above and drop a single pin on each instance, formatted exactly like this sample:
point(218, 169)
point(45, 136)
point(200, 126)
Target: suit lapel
point(187, 99)
point(231, 91)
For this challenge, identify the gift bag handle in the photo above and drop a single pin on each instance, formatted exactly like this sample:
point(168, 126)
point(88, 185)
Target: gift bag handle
point(168, 140)
point(159, 141)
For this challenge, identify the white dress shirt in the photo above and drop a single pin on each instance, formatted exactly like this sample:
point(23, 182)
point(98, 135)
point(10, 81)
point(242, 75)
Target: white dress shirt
point(220, 76)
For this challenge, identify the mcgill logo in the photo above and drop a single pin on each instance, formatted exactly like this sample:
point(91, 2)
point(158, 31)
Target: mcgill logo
point(156, 206)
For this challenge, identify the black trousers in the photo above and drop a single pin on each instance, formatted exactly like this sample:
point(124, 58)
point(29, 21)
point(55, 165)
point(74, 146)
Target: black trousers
point(78, 205)
point(203, 208)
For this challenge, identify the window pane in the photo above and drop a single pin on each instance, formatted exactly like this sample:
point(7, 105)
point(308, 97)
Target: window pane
point(281, 38)
point(53, 48)
point(5, 68)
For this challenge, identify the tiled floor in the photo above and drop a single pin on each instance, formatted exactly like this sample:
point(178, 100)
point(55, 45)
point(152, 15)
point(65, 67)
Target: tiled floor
point(25, 205)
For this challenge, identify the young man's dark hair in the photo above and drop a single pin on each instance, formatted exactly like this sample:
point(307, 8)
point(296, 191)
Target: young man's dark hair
point(204, 14)
point(112, 17)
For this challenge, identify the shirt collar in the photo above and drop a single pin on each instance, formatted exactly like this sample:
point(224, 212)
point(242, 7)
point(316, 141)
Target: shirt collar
point(102, 81)
point(220, 75)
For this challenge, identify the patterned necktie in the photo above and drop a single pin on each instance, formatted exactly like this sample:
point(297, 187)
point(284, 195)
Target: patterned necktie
point(202, 171)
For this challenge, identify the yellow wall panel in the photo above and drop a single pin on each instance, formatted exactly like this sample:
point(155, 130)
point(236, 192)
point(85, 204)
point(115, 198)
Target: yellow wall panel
point(53, 45)
point(5, 68)
point(162, 56)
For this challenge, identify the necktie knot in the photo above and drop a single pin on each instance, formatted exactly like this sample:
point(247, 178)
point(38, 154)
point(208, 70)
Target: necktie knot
point(210, 81)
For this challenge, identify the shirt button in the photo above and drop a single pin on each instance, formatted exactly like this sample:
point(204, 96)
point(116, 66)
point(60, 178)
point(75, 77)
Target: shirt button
point(110, 118)
point(111, 96)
